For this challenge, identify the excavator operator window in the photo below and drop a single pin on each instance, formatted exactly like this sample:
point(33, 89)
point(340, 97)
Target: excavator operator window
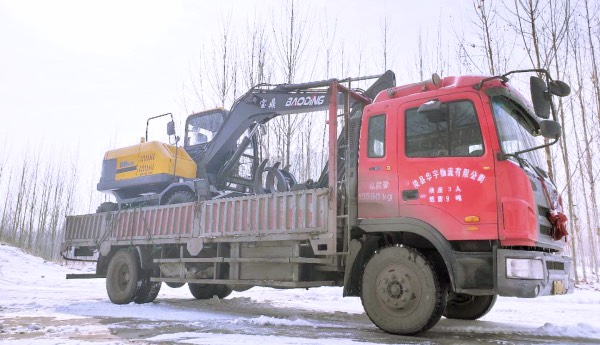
point(454, 131)
point(202, 129)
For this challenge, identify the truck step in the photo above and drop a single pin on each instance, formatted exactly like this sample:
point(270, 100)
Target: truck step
point(254, 282)
point(85, 276)
point(253, 260)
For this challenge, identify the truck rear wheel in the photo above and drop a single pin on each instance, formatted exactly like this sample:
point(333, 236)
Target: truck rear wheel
point(175, 285)
point(206, 291)
point(122, 277)
point(468, 307)
point(147, 290)
point(400, 291)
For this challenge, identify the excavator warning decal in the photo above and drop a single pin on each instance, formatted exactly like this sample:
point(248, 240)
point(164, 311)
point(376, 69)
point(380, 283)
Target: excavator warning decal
point(126, 166)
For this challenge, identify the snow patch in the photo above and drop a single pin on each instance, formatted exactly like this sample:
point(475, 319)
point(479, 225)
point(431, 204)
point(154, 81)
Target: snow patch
point(228, 339)
point(581, 330)
point(273, 321)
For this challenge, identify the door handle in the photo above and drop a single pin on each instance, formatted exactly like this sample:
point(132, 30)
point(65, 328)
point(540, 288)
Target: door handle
point(410, 194)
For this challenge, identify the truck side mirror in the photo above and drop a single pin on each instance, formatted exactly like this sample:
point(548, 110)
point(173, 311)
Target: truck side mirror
point(434, 110)
point(170, 128)
point(550, 129)
point(559, 88)
point(540, 97)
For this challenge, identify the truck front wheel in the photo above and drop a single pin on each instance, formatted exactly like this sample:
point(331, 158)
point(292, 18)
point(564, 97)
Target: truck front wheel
point(400, 291)
point(122, 277)
point(468, 307)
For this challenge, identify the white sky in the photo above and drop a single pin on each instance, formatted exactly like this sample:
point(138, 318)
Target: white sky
point(80, 77)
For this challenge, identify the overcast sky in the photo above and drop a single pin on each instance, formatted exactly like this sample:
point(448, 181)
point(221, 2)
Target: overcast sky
point(83, 76)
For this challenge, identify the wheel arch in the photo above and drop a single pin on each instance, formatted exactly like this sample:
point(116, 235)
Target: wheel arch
point(174, 188)
point(142, 253)
point(402, 231)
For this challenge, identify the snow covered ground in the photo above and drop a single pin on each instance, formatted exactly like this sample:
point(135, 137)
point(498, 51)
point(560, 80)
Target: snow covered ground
point(39, 306)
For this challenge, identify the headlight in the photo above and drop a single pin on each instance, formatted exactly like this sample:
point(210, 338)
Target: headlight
point(524, 268)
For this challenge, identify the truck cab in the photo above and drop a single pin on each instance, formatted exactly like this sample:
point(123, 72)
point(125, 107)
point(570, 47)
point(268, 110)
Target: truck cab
point(433, 153)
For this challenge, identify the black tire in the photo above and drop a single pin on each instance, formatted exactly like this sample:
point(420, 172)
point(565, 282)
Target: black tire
point(180, 197)
point(122, 277)
point(241, 288)
point(147, 290)
point(175, 285)
point(400, 291)
point(468, 307)
point(223, 291)
point(107, 207)
point(207, 291)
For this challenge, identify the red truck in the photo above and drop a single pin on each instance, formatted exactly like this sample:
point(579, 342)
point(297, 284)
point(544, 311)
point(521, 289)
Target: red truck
point(433, 202)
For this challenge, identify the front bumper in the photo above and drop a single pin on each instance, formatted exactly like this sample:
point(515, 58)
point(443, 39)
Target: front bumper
point(530, 274)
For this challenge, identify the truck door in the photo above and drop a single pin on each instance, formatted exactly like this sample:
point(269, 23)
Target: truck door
point(377, 169)
point(446, 167)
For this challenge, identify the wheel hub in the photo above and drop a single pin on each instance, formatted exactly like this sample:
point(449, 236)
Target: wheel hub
point(124, 276)
point(394, 289)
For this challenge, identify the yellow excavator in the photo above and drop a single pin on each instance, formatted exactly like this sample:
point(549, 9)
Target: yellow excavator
point(219, 157)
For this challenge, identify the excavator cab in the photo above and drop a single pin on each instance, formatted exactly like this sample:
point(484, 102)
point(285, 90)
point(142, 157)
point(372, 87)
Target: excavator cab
point(201, 128)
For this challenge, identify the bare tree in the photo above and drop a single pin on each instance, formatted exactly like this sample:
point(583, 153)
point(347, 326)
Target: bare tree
point(19, 212)
point(560, 19)
point(291, 52)
point(420, 58)
point(494, 46)
point(587, 175)
point(592, 51)
point(32, 202)
point(527, 14)
point(221, 69)
point(385, 38)
point(254, 68)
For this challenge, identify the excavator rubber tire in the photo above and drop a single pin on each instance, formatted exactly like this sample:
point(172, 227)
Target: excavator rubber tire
point(107, 207)
point(180, 197)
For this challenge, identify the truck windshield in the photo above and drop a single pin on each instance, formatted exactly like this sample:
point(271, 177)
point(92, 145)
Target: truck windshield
point(514, 131)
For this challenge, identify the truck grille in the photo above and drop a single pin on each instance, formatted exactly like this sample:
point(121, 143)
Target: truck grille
point(545, 230)
point(543, 211)
point(555, 265)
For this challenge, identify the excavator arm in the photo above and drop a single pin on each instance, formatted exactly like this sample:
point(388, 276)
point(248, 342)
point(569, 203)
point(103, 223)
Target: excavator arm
point(261, 104)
